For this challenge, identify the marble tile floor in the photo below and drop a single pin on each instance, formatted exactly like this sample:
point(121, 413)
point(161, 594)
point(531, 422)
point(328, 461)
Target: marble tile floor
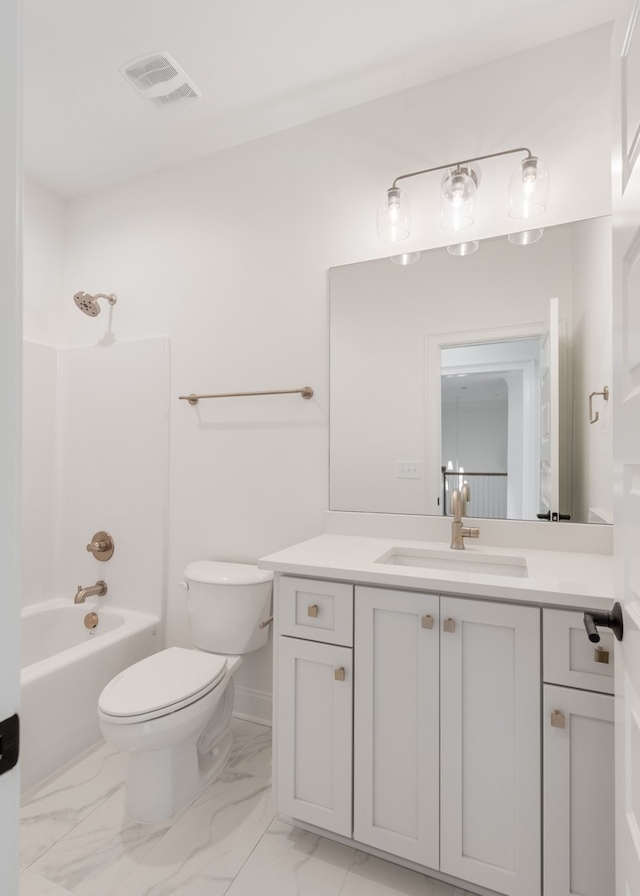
point(77, 841)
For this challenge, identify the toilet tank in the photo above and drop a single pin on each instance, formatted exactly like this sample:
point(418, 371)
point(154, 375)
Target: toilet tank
point(226, 603)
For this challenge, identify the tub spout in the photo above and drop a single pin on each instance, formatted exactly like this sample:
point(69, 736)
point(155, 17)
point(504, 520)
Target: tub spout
point(98, 589)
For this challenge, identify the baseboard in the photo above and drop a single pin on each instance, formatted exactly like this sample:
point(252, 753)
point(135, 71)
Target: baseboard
point(252, 705)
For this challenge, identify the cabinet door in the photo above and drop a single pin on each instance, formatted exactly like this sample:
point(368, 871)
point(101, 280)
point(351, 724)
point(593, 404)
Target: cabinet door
point(579, 854)
point(315, 726)
point(490, 745)
point(396, 739)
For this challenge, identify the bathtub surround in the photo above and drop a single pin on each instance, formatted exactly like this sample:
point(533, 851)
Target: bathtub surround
point(96, 445)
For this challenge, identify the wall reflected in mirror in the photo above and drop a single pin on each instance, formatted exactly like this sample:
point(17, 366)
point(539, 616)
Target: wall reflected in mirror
point(437, 365)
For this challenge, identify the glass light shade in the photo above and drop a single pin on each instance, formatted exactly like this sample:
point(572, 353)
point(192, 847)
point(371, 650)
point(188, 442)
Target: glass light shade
point(406, 258)
point(525, 237)
point(458, 199)
point(529, 189)
point(467, 248)
point(394, 216)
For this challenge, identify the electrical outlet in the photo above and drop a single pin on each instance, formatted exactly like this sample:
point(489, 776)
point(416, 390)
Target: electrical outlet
point(408, 469)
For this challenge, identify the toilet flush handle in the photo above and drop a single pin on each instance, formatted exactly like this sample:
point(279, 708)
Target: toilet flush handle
point(184, 585)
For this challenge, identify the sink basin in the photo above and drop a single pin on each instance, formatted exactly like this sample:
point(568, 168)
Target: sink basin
point(456, 561)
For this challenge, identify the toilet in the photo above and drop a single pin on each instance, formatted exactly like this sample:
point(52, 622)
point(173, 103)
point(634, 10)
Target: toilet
point(171, 711)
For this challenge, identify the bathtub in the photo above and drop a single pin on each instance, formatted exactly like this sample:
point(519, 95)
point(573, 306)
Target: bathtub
point(64, 668)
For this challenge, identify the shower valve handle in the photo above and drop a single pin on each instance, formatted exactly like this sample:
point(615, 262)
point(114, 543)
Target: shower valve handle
point(101, 546)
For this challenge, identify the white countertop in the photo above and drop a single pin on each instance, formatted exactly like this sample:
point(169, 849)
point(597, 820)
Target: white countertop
point(555, 578)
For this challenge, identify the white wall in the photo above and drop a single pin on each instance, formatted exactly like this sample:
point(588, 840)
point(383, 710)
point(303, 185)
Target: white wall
point(593, 370)
point(44, 255)
point(228, 257)
point(479, 429)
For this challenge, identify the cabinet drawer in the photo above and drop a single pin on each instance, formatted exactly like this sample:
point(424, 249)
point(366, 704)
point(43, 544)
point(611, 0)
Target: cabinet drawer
point(570, 658)
point(316, 610)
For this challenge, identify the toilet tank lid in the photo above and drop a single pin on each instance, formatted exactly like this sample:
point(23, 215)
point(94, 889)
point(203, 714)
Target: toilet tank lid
point(216, 572)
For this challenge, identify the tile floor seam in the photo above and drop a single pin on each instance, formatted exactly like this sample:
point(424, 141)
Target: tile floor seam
point(59, 840)
point(253, 849)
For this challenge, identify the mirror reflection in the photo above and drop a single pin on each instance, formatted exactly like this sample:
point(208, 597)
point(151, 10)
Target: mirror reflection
point(443, 371)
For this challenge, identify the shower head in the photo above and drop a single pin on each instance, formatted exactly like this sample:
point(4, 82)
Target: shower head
point(89, 304)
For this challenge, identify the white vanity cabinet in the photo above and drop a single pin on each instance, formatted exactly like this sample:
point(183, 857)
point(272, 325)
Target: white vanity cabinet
point(471, 737)
point(315, 702)
point(446, 738)
point(578, 736)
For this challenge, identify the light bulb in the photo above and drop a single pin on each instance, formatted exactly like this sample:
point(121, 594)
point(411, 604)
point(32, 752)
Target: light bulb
point(528, 188)
point(457, 199)
point(393, 215)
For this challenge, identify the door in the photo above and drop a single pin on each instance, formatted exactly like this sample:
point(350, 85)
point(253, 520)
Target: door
point(550, 416)
point(10, 414)
point(315, 727)
point(490, 745)
point(579, 842)
point(626, 448)
point(396, 732)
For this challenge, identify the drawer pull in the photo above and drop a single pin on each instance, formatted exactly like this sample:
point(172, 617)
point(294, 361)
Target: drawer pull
point(449, 625)
point(312, 611)
point(557, 719)
point(427, 621)
point(339, 673)
point(600, 655)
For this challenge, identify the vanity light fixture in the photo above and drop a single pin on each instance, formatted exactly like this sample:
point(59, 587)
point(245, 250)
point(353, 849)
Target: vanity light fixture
point(528, 192)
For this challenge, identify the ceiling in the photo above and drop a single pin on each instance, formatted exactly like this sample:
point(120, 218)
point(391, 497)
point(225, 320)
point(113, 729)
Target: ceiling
point(261, 66)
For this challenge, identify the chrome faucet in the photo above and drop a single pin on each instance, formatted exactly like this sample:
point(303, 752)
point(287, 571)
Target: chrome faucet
point(458, 504)
point(98, 589)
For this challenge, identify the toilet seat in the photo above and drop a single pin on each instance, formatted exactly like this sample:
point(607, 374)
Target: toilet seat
point(161, 684)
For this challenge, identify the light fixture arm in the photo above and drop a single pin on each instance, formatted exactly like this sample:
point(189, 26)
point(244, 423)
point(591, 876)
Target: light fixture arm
point(492, 155)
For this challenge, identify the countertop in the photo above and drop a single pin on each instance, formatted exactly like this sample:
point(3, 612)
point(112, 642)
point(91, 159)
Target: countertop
point(555, 578)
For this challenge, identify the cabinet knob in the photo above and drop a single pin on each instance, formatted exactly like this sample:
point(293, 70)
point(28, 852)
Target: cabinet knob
point(557, 719)
point(312, 610)
point(600, 655)
point(427, 621)
point(339, 673)
point(449, 625)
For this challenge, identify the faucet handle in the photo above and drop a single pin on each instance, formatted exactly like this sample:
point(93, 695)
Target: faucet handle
point(470, 532)
point(101, 546)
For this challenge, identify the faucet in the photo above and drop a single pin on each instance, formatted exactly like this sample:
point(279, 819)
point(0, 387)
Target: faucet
point(98, 589)
point(458, 503)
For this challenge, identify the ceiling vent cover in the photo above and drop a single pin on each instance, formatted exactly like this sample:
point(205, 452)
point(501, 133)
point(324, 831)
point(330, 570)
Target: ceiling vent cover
point(160, 80)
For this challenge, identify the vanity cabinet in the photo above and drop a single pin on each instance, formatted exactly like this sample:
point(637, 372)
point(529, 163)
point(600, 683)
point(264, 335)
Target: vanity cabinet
point(410, 723)
point(446, 738)
point(578, 737)
point(315, 703)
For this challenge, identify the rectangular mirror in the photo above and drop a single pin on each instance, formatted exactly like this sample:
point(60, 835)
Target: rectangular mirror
point(441, 372)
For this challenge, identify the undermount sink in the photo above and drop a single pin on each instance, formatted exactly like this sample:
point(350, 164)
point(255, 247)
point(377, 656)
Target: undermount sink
point(456, 561)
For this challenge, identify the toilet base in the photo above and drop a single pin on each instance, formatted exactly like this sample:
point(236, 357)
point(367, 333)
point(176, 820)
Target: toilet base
point(148, 801)
point(160, 783)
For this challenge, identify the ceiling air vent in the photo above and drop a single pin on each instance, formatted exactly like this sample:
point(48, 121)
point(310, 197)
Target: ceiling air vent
point(160, 80)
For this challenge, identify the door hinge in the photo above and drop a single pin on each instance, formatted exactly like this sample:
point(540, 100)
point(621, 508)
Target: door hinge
point(9, 743)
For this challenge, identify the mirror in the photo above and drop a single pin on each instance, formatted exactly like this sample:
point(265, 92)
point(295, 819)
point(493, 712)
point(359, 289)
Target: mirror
point(440, 364)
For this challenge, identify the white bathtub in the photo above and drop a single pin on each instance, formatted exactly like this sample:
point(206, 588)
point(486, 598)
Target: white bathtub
point(64, 668)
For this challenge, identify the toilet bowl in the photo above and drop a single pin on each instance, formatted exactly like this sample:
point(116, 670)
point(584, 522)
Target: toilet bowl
point(171, 711)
